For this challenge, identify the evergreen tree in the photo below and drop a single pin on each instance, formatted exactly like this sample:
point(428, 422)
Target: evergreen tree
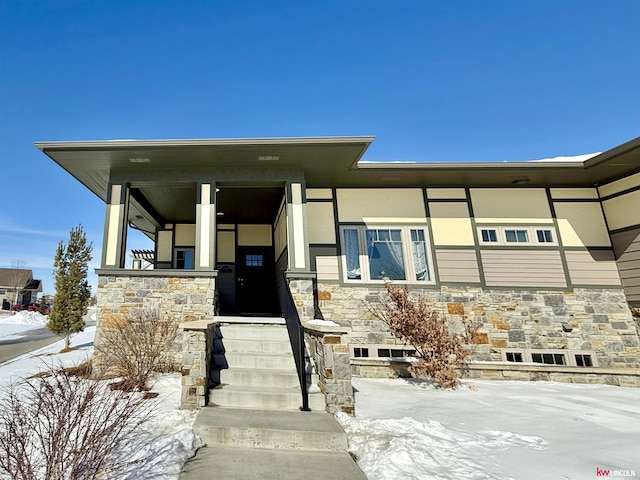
point(72, 288)
point(42, 307)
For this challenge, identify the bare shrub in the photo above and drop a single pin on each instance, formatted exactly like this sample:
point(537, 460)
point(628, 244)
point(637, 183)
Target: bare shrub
point(440, 350)
point(65, 427)
point(135, 348)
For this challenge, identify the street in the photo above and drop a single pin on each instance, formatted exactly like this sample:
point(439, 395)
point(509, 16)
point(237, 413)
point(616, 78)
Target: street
point(32, 340)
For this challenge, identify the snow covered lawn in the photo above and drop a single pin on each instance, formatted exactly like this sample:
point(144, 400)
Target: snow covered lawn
point(407, 429)
point(168, 438)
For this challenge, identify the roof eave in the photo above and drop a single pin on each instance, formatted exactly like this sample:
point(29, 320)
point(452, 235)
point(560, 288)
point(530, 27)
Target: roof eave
point(207, 142)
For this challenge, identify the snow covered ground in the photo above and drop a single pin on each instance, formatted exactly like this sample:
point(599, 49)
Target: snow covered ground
point(16, 325)
point(407, 429)
point(168, 438)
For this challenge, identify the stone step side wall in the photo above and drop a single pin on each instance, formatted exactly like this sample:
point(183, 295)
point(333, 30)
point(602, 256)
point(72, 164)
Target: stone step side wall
point(599, 319)
point(182, 298)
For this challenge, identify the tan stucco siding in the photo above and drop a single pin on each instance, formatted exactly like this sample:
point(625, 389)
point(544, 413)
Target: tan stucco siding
point(510, 205)
point(446, 193)
point(185, 234)
point(380, 204)
point(620, 185)
point(455, 265)
point(165, 245)
point(451, 224)
point(320, 222)
point(577, 193)
point(522, 268)
point(623, 211)
point(254, 235)
point(319, 193)
point(226, 246)
point(581, 224)
point(592, 268)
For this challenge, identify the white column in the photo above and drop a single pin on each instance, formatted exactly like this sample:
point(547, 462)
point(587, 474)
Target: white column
point(115, 227)
point(297, 228)
point(206, 227)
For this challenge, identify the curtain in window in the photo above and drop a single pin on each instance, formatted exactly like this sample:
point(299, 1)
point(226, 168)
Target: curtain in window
point(352, 253)
point(419, 251)
point(384, 249)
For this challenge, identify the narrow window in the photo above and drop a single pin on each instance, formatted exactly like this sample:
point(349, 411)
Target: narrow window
point(352, 253)
point(360, 352)
point(184, 258)
point(397, 353)
point(384, 249)
point(489, 235)
point(544, 236)
point(419, 251)
point(516, 236)
point(583, 360)
point(514, 357)
point(549, 358)
point(384, 352)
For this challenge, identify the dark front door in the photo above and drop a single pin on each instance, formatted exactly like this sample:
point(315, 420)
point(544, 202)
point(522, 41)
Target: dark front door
point(255, 281)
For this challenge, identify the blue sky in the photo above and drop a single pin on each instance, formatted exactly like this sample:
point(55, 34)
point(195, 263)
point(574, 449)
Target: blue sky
point(433, 80)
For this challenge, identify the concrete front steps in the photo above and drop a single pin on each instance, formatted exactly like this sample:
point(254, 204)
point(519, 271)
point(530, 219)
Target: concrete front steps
point(243, 444)
point(257, 368)
point(288, 430)
point(252, 428)
point(265, 464)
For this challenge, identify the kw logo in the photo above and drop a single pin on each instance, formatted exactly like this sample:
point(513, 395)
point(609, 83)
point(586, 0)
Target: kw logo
point(602, 473)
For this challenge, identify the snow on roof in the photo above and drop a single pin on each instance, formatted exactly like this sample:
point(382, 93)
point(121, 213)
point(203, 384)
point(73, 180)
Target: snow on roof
point(573, 158)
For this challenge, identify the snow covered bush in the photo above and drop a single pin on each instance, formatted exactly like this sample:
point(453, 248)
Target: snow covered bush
point(64, 427)
point(137, 346)
point(440, 350)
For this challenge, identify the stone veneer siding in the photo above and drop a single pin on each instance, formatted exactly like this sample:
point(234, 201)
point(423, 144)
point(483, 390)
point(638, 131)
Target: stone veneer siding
point(330, 352)
point(197, 346)
point(181, 297)
point(302, 291)
point(600, 320)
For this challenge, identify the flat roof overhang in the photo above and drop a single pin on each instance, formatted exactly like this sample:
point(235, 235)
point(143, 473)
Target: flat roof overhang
point(325, 161)
point(160, 192)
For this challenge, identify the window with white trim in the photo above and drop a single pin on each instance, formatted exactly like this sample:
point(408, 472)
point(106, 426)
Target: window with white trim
point(549, 358)
point(512, 235)
point(514, 357)
point(572, 358)
point(489, 235)
point(583, 360)
point(383, 253)
point(517, 236)
point(382, 351)
point(544, 235)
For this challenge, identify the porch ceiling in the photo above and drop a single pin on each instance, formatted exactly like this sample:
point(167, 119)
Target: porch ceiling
point(92, 163)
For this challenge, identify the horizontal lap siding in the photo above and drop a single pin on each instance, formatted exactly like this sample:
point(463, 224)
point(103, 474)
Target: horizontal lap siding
point(327, 268)
point(325, 262)
point(522, 268)
point(457, 266)
point(592, 268)
point(627, 248)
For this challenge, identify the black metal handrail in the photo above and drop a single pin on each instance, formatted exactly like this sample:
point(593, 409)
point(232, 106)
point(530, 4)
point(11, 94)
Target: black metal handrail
point(296, 336)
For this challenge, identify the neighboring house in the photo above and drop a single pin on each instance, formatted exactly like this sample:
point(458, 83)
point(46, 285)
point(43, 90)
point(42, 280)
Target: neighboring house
point(545, 255)
point(10, 278)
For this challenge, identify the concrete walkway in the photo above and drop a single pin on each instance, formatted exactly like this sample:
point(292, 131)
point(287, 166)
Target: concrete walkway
point(246, 444)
